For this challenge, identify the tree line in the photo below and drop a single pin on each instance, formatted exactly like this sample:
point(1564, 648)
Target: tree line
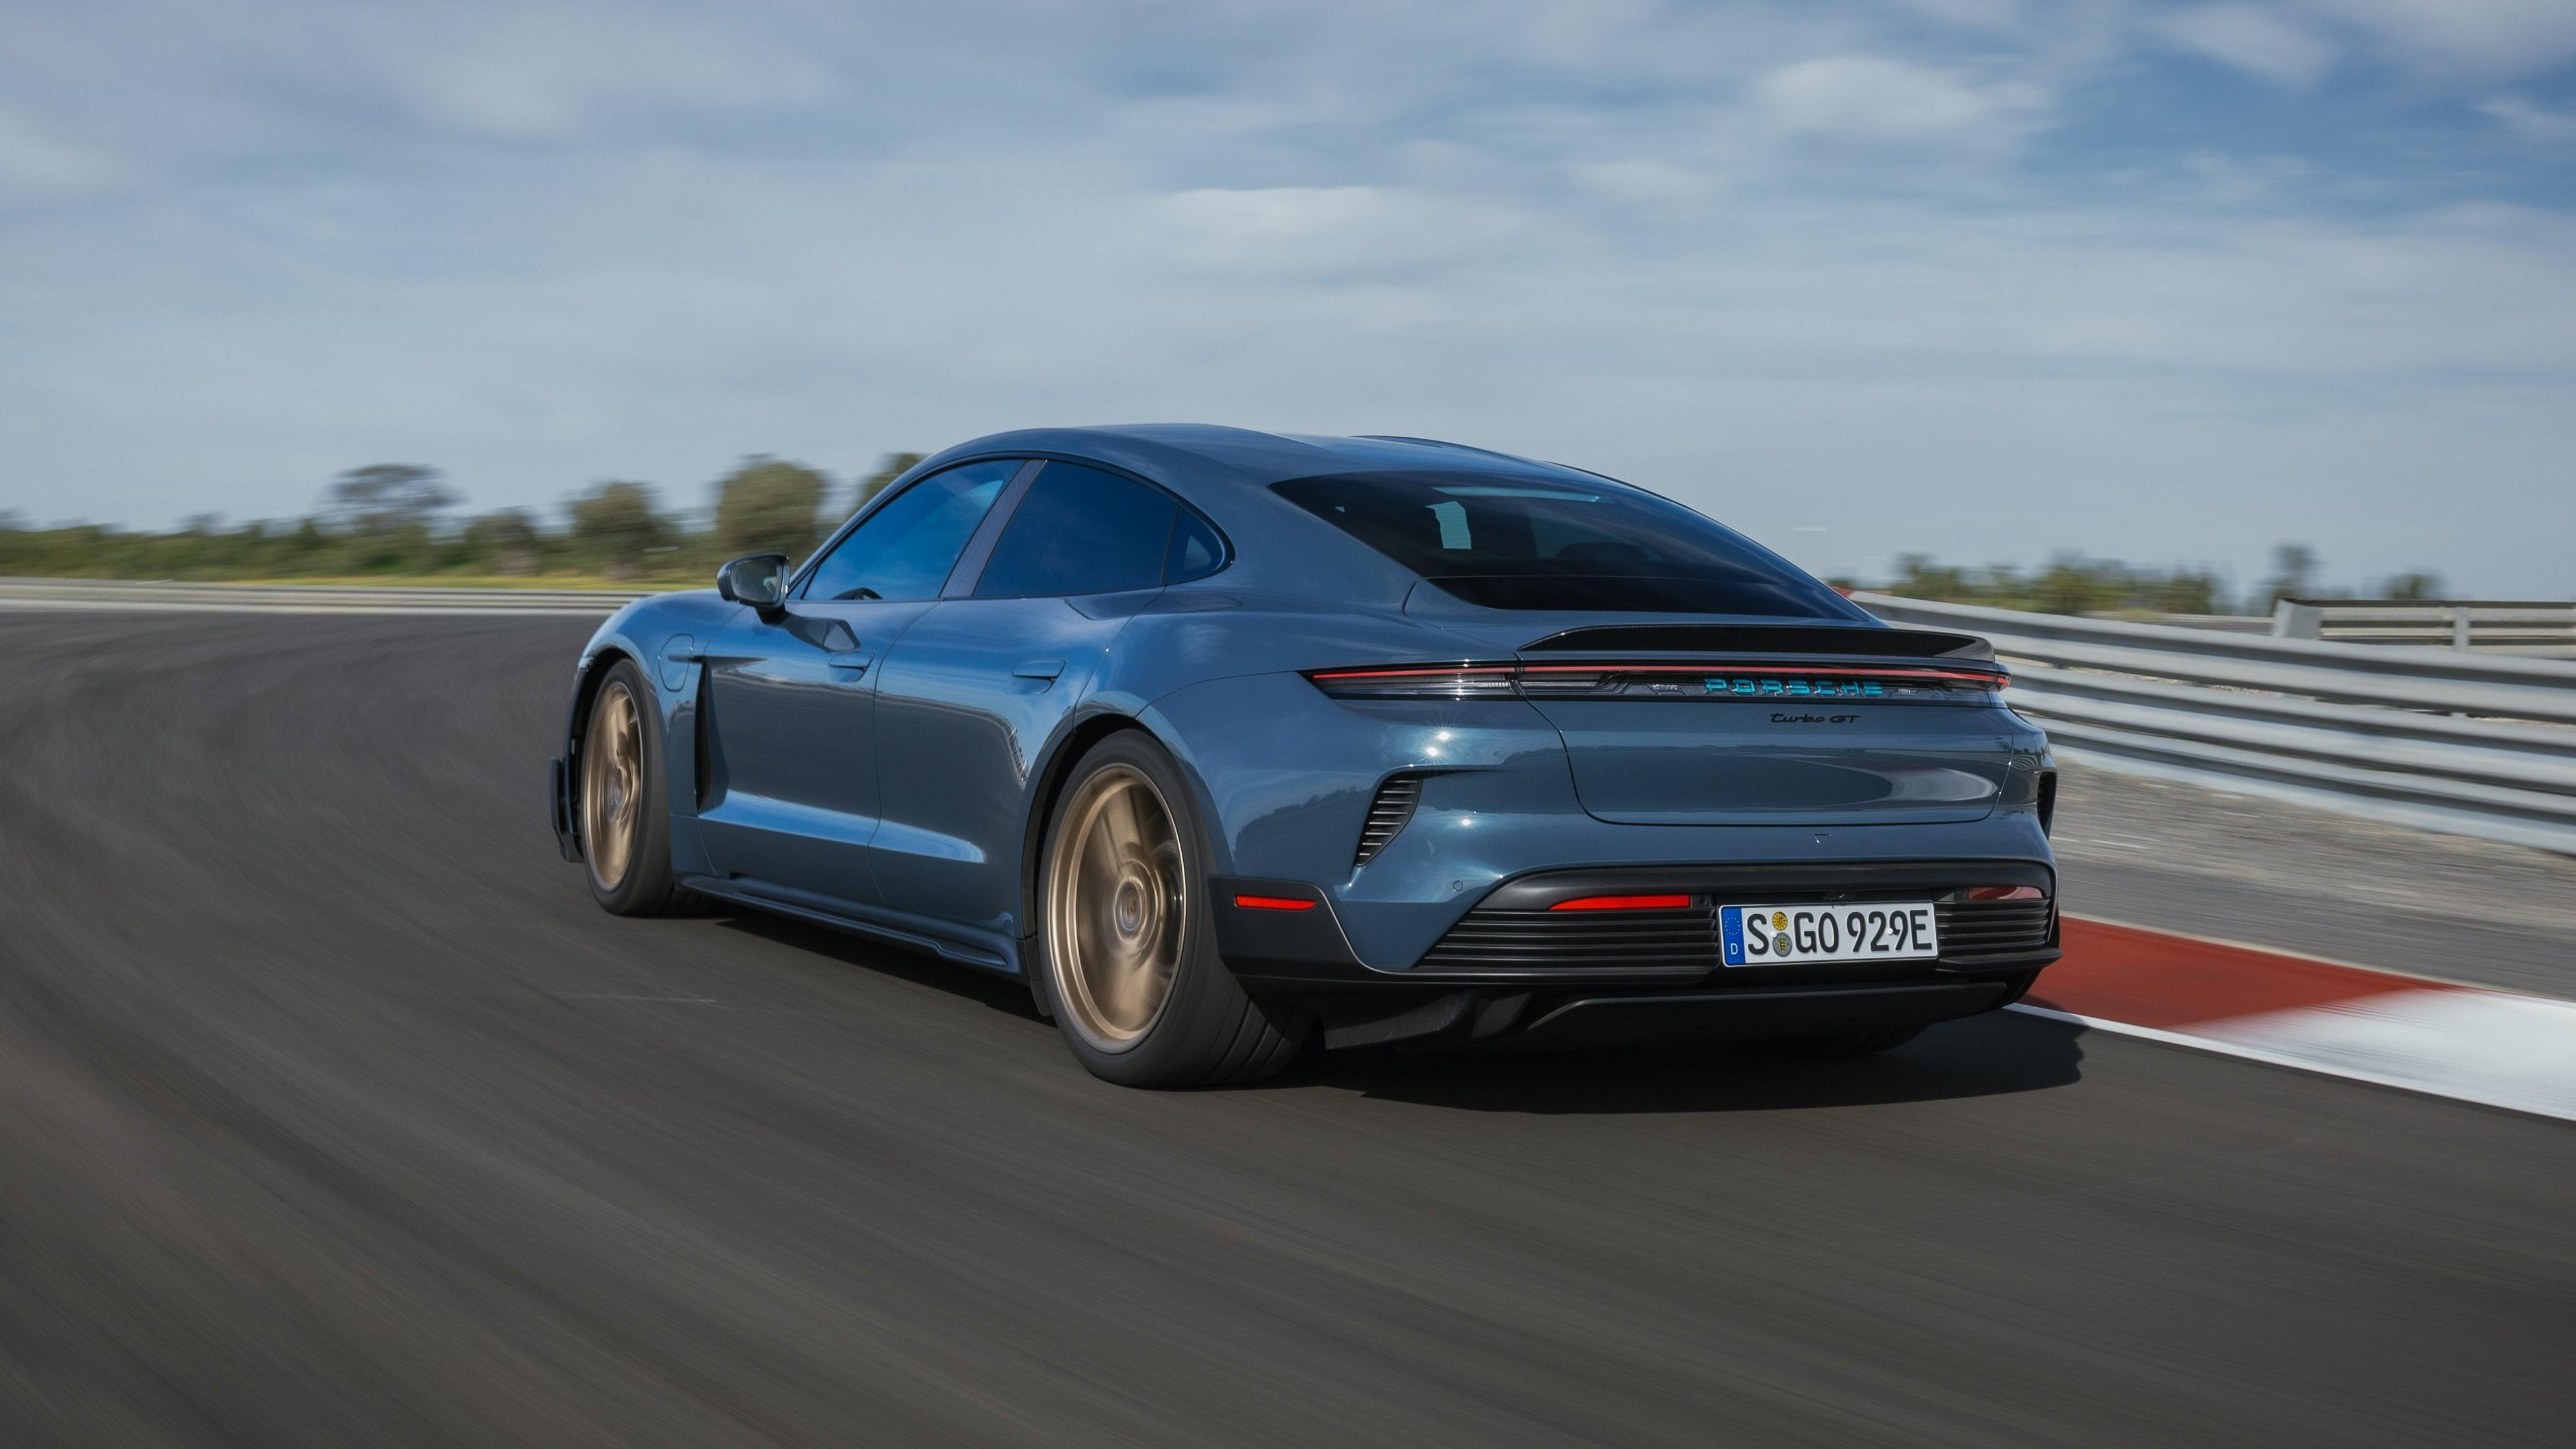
point(2070, 583)
point(401, 519)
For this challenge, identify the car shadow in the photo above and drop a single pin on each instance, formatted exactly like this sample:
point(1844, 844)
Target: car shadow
point(1982, 1056)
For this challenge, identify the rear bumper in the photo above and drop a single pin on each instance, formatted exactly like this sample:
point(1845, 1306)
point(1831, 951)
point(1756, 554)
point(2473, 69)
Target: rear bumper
point(1513, 974)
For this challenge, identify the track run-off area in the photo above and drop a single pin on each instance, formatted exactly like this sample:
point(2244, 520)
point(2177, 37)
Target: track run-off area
point(333, 1112)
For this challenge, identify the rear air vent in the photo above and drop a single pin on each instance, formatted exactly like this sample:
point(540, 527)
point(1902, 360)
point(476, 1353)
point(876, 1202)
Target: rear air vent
point(1973, 928)
point(1810, 640)
point(1388, 814)
point(1678, 941)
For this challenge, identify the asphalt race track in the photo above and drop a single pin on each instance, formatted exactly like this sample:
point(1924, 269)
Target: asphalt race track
point(333, 1113)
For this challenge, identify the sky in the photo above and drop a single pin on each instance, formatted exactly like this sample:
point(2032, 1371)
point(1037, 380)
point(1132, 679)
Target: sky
point(1983, 279)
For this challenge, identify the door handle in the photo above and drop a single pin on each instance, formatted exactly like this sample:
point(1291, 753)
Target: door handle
point(854, 660)
point(1039, 669)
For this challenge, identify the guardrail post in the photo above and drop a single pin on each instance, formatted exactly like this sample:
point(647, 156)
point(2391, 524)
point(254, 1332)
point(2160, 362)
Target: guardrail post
point(2460, 627)
point(2294, 620)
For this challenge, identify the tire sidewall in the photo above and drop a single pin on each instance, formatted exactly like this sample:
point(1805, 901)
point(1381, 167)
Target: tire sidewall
point(1204, 992)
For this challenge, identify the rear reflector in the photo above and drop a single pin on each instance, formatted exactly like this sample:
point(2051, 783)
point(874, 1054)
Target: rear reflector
point(1624, 903)
point(1273, 903)
point(2006, 893)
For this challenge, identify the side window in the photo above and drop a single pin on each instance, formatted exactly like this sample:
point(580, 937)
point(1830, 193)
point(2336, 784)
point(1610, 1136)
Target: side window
point(1196, 551)
point(905, 549)
point(1081, 531)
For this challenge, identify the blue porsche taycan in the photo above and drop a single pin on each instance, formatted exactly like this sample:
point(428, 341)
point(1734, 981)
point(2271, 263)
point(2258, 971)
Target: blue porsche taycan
point(1225, 741)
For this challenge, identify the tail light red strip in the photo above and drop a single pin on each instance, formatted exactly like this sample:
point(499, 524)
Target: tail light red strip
point(1273, 903)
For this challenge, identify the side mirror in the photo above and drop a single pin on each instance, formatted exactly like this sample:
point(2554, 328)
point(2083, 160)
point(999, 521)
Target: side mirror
point(757, 579)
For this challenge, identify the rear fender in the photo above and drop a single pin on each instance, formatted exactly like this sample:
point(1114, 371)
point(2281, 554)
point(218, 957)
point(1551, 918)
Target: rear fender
point(1087, 727)
point(1289, 775)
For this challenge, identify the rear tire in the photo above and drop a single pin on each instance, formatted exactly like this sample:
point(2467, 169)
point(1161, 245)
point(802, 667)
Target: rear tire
point(1126, 948)
point(622, 799)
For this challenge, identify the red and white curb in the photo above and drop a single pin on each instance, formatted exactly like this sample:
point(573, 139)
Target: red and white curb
point(2462, 1042)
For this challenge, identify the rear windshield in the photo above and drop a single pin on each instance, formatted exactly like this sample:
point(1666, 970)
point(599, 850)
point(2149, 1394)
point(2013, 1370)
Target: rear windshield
point(1507, 543)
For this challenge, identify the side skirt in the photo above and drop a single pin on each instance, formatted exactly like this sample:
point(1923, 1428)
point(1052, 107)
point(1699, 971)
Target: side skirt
point(1000, 955)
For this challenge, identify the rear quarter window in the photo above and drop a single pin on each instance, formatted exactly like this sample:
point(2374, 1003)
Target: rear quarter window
point(1081, 531)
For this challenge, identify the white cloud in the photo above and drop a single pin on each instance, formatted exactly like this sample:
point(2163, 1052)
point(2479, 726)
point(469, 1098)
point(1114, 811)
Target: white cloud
point(2257, 41)
point(2488, 37)
point(1320, 230)
point(1643, 182)
point(546, 72)
point(1873, 98)
point(2002, 15)
point(35, 163)
point(2530, 118)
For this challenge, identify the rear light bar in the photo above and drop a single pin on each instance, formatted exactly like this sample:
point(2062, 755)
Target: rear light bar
point(1716, 679)
point(1428, 681)
point(1273, 903)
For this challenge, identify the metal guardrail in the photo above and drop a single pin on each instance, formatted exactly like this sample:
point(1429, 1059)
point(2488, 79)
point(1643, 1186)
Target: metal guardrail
point(2231, 623)
point(2476, 744)
point(2537, 626)
point(28, 593)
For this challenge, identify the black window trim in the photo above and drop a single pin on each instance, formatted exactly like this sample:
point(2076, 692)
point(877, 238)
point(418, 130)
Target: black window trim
point(979, 548)
point(962, 582)
point(983, 536)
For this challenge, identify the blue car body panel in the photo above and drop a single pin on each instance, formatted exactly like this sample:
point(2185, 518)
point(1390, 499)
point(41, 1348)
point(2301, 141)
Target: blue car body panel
point(888, 763)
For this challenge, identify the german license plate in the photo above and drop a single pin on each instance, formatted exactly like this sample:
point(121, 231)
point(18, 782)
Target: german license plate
point(1797, 935)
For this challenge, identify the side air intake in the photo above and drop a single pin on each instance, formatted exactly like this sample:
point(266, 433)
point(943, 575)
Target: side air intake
point(1388, 814)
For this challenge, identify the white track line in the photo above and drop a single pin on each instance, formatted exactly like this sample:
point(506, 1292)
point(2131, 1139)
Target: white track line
point(2487, 1047)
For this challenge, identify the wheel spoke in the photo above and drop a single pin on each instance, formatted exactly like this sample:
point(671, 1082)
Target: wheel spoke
point(1114, 927)
point(1121, 994)
point(1119, 816)
point(1098, 865)
point(613, 785)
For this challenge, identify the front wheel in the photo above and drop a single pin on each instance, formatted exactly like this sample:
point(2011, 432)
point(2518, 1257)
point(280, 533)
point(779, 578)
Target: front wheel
point(624, 813)
point(1127, 948)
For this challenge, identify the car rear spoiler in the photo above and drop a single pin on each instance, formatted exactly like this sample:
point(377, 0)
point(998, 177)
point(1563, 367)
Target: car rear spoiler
point(1812, 641)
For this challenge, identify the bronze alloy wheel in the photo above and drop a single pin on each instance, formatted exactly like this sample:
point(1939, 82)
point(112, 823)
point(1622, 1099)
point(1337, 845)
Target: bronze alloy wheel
point(1117, 917)
point(612, 785)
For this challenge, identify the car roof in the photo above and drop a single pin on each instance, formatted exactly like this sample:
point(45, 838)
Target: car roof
point(1186, 456)
point(1225, 473)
